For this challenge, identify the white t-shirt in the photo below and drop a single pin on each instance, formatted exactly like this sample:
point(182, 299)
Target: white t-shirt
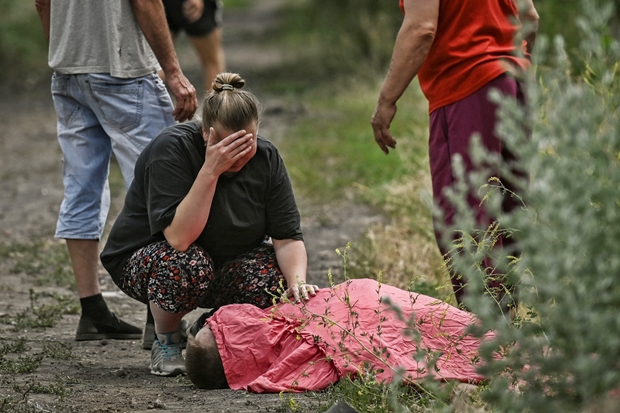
point(98, 36)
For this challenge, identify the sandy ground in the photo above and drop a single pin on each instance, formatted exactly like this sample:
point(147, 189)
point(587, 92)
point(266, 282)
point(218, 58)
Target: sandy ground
point(109, 375)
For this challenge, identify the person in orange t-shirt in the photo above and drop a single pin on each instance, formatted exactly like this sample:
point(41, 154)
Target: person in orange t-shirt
point(459, 51)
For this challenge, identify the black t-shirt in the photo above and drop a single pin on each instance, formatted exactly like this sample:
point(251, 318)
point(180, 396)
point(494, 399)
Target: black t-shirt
point(248, 206)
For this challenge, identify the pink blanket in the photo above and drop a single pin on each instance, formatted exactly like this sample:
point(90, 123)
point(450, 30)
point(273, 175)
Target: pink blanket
point(343, 331)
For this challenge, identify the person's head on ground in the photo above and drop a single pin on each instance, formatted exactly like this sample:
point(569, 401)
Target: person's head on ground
point(227, 109)
point(202, 360)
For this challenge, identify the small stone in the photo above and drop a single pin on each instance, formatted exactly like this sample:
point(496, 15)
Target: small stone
point(120, 372)
point(158, 404)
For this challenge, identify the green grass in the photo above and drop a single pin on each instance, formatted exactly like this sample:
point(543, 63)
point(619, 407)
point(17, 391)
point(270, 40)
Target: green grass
point(23, 49)
point(331, 151)
point(366, 395)
point(44, 315)
point(45, 260)
point(18, 366)
point(237, 4)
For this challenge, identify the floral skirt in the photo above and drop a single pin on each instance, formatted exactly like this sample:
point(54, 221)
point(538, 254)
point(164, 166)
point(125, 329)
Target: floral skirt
point(182, 281)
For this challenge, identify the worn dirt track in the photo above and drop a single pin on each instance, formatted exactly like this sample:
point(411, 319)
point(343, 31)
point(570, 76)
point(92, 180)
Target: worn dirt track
point(109, 375)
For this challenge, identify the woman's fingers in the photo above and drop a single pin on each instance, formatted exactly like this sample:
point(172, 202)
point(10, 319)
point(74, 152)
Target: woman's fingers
point(231, 148)
point(213, 139)
point(241, 145)
point(295, 292)
point(309, 288)
point(301, 291)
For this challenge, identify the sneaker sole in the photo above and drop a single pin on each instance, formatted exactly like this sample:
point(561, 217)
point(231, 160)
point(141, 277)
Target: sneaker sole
point(173, 373)
point(111, 336)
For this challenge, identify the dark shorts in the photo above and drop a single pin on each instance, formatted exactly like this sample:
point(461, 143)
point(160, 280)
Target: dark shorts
point(182, 281)
point(210, 19)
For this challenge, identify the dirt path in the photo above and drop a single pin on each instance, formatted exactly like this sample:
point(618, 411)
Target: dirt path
point(43, 369)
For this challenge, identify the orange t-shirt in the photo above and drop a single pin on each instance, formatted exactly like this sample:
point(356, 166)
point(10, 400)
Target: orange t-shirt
point(474, 44)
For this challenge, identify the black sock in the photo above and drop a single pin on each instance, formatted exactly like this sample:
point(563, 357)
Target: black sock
point(95, 308)
point(149, 315)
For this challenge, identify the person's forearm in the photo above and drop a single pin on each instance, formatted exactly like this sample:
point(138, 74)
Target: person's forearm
point(411, 48)
point(192, 213)
point(43, 9)
point(292, 260)
point(152, 20)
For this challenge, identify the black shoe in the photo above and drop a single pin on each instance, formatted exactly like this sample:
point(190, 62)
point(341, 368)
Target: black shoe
point(115, 329)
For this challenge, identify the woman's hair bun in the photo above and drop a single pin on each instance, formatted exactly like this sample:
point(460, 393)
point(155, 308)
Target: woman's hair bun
point(227, 81)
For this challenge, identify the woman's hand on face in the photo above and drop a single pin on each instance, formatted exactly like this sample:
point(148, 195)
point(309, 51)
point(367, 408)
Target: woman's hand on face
point(222, 155)
point(299, 291)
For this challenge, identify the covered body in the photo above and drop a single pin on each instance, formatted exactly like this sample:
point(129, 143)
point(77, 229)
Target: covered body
point(342, 331)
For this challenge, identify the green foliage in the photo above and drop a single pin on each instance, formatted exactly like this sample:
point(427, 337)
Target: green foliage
point(366, 395)
point(33, 386)
point(237, 4)
point(57, 350)
point(22, 365)
point(560, 352)
point(332, 149)
point(333, 41)
point(46, 260)
point(23, 50)
point(45, 315)
point(18, 362)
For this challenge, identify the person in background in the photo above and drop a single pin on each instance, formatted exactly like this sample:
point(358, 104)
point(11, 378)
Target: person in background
point(459, 51)
point(201, 20)
point(108, 99)
point(210, 219)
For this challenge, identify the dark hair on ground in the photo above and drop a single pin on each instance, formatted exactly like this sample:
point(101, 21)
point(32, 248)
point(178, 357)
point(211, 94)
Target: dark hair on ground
point(228, 105)
point(204, 365)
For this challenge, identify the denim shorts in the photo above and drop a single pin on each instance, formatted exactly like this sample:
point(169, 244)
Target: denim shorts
point(99, 115)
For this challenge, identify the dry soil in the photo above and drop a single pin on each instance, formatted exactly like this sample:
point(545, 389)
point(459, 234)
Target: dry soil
point(109, 375)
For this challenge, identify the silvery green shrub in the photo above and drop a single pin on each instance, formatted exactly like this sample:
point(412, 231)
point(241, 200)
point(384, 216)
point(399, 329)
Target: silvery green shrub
point(561, 352)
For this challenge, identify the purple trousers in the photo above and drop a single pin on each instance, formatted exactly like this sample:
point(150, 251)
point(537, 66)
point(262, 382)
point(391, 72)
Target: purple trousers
point(451, 130)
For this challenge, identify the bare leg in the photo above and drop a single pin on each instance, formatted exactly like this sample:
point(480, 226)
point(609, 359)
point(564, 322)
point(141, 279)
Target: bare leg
point(165, 322)
point(96, 322)
point(209, 49)
point(84, 256)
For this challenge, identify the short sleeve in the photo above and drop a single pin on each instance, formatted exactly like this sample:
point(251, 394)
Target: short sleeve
point(166, 184)
point(283, 220)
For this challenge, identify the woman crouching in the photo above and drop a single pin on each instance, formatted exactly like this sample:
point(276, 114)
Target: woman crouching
point(194, 231)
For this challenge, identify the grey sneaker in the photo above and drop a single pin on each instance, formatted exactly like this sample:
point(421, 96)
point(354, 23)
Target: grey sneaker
point(166, 357)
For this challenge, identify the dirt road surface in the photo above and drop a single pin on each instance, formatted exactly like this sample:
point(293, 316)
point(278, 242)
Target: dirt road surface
point(42, 369)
